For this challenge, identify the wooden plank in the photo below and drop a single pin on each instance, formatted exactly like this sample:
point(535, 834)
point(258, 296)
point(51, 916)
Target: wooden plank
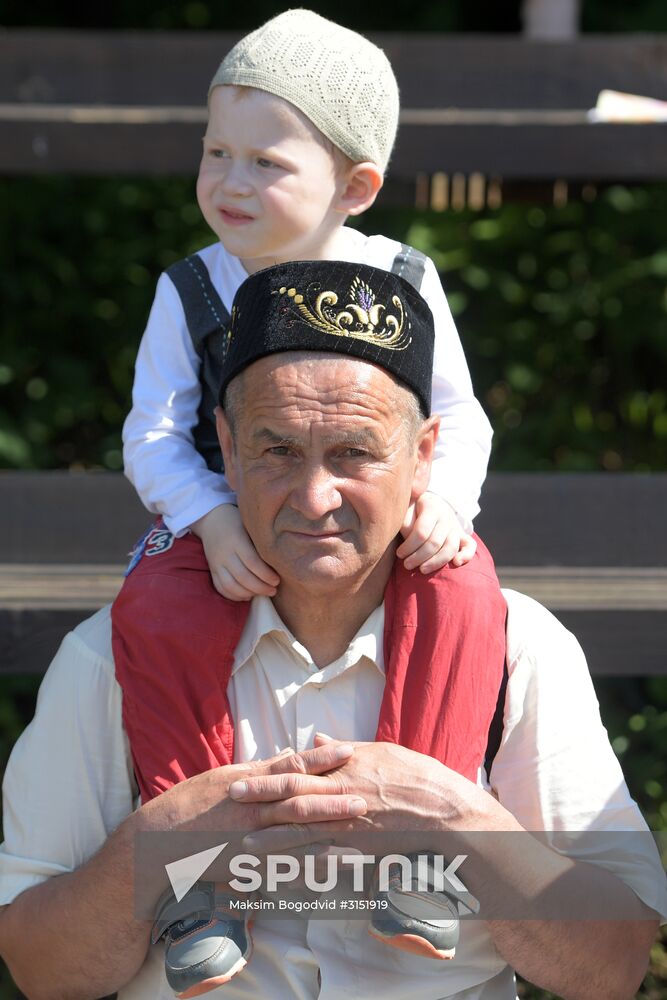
point(574, 519)
point(592, 152)
point(109, 67)
point(58, 587)
point(55, 517)
point(433, 70)
point(149, 114)
point(527, 519)
point(100, 150)
point(589, 588)
point(123, 73)
point(524, 152)
point(621, 643)
point(554, 536)
point(511, 72)
point(87, 587)
point(30, 639)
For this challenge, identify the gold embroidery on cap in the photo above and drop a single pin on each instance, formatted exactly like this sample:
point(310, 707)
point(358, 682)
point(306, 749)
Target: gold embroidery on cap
point(360, 319)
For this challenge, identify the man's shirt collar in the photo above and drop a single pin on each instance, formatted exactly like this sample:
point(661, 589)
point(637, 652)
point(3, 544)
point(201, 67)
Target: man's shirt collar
point(264, 620)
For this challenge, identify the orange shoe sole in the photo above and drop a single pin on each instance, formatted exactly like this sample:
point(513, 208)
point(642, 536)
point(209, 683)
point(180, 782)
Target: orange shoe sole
point(415, 945)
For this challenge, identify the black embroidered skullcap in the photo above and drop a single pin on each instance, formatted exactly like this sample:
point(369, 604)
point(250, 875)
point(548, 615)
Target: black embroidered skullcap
point(337, 307)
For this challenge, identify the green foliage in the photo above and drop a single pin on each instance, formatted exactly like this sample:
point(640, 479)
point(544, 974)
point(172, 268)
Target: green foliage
point(635, 714)
point(79, 263)
point(619, 15)
point(562, 313)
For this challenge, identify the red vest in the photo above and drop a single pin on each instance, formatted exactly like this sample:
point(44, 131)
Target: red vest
point(174, 638)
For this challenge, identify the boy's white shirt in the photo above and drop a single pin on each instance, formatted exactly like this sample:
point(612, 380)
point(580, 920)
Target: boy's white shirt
point(172, 478)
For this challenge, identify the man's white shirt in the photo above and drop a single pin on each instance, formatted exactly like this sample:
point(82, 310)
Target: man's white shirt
point(70, 782)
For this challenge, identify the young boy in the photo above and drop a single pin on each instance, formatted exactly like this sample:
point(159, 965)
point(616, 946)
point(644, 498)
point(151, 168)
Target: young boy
point(302, 119)
point(327, 162)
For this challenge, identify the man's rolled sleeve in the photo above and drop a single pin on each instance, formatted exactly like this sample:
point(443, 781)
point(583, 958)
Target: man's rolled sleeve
point(69, 781)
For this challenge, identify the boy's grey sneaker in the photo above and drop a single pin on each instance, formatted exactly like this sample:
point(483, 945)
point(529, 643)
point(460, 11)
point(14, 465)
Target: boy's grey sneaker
point(422, 923)
point(206, 942)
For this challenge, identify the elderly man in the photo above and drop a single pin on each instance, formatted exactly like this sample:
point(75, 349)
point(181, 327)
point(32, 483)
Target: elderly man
point(326, 452)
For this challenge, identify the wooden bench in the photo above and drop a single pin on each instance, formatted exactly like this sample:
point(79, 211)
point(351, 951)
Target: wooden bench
point(591, 547)
point(478, 113)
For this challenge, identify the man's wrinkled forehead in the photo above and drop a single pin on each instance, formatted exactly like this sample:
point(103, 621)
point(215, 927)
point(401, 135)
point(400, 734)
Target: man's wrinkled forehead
point(302, 385)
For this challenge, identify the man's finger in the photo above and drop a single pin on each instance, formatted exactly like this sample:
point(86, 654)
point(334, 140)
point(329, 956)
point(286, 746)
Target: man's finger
point(290, 836)
point(281, 838)
point(319, 760)
point(316, 808)
point(268, 761)
point(275, 787)
point(304, 810)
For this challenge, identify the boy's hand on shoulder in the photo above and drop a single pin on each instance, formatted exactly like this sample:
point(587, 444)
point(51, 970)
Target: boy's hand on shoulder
point(433, 536)
point(237, 571)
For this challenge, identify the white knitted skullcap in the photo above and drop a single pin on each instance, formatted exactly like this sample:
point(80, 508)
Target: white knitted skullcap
point(339, 80)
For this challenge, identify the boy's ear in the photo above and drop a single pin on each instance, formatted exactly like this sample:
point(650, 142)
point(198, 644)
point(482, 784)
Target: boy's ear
point(361, 185)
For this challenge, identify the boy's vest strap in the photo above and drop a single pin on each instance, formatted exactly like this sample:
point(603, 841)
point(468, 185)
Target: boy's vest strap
point(208, 322)
point(410, 264)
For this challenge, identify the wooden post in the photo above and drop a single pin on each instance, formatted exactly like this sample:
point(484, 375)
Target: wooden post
point(551, 20)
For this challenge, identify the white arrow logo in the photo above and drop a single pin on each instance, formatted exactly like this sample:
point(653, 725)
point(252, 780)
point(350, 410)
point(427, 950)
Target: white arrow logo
point(186, 871)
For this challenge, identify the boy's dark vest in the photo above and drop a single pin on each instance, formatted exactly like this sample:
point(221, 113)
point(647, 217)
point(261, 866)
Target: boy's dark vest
point(174, 636)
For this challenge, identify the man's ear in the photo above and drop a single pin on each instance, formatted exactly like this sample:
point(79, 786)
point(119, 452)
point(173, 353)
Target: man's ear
point(425, 450)
point(361, 185)
point(226, 445)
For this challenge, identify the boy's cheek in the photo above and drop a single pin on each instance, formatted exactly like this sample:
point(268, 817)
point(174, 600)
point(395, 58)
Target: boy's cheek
point(203, 178)
point(203, 190)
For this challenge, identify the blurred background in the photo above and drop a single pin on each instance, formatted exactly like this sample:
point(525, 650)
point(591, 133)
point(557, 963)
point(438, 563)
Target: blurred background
point(561, 304)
